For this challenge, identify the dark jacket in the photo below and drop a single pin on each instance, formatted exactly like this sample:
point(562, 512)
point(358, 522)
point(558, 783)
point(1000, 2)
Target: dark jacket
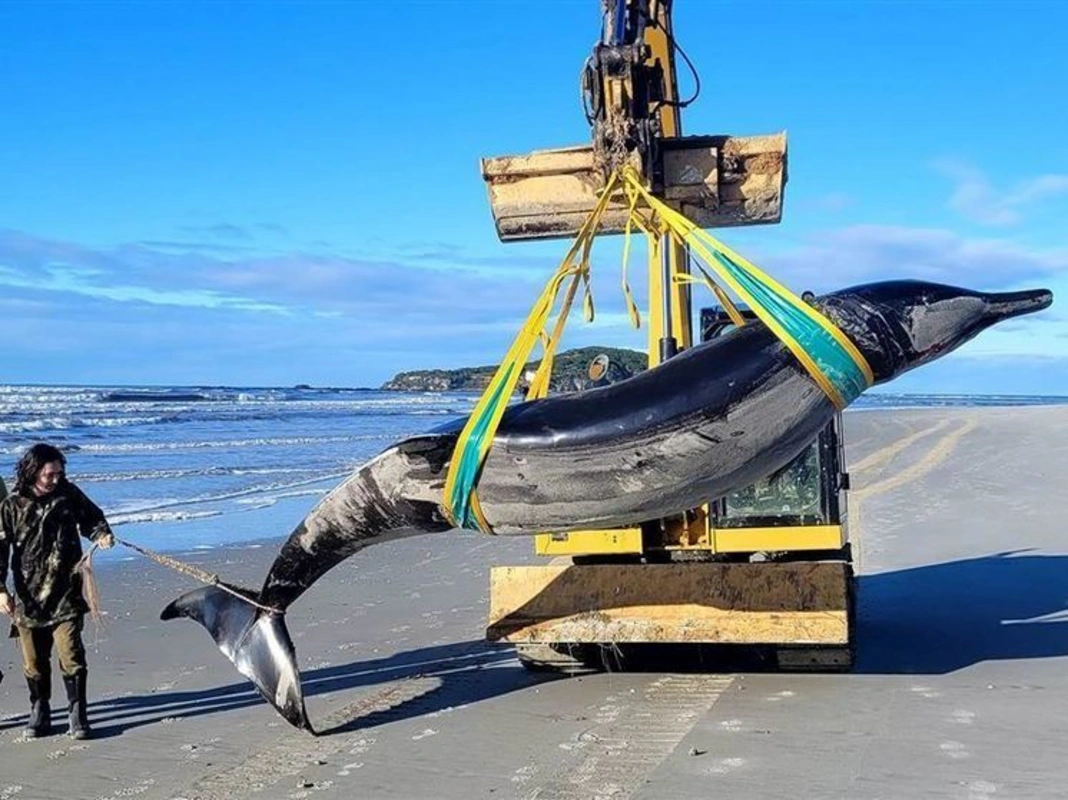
point(39, 540)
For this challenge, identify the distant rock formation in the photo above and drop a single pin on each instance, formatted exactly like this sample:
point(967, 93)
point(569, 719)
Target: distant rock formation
point(571, 372)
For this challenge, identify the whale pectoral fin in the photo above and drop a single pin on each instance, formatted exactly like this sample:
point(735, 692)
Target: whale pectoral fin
point(256, 641)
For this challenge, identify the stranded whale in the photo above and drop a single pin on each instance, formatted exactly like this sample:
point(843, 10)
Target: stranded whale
point(714, 419)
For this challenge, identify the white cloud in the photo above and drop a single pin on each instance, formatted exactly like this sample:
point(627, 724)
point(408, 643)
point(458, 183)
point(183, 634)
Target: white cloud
point(72, 280)
point(297, 283)
point(863, 253)
point(977, 199)
point(263, 316)
point(835, 259)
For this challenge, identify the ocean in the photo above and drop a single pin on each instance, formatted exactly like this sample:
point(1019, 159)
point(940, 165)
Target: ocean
point(186, 468)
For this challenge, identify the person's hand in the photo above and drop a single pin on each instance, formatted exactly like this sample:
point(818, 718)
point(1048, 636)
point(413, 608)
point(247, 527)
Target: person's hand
point(105, 542)
point(7, 605)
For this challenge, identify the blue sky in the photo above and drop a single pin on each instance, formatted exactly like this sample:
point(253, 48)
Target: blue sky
point(272, 193)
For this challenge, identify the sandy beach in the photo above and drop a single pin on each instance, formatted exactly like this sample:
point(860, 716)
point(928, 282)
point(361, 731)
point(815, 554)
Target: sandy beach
point(961, 690)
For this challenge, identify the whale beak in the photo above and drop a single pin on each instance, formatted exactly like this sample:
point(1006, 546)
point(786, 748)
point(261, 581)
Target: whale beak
point(1005, 305)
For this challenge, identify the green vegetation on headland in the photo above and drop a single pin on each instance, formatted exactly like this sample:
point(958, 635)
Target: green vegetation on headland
point(570, 372)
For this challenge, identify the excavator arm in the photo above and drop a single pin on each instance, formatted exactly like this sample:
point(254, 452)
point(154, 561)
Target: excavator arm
point(684, 578)
point(629, 87)
point(632, 104)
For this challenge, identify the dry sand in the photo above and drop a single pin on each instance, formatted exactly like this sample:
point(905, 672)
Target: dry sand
point(961, 690)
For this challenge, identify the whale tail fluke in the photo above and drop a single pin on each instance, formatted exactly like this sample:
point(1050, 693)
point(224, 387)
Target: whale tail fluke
point(255, 640)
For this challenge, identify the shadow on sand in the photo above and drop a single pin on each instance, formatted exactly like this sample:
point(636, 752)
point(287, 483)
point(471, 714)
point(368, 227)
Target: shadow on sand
point(458, 673)
point(932, 619)
point(939, 618)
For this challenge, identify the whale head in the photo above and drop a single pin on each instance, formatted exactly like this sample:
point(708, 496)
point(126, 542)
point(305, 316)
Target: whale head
point(899, 325)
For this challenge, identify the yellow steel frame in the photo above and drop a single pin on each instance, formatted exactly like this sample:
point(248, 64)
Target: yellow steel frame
point(801, 602)
point(628, 541)
point(615, 541)
point(660, 50)
point(693, 530)
point(657, 39)
point(696, 602)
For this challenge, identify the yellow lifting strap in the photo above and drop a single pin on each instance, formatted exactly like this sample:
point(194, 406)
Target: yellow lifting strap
point(461, 499)
point(832, 360)
point(827, 354)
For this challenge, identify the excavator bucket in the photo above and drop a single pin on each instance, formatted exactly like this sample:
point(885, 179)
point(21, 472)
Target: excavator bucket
point(715, 181)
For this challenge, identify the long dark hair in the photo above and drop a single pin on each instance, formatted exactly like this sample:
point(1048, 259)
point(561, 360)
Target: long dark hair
point(32, 462)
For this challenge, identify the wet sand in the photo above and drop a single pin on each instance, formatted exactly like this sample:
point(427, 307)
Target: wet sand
point(961, 690)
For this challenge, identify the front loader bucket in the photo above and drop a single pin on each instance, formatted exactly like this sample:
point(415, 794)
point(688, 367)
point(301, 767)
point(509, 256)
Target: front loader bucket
point(714, 181)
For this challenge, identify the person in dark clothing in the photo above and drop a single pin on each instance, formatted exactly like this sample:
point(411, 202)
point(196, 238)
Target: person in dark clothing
point(3, 494)
point(41, 523)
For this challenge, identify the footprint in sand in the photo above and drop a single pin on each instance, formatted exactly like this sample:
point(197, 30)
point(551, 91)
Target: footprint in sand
point(115, 695)
point(424, 734)
point(524, 774)
point(608, 714)
point(981, 790)
point(962, 717)
point(954, 749)
point(926, 691)
point(724, 765)
point(732, 725)
point(360, 746)
point(131, 791)
point(193, 750)
point(307, 791)
point(569, 746)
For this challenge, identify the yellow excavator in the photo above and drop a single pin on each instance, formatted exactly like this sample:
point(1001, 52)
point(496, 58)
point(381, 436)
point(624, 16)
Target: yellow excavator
point(769, 567)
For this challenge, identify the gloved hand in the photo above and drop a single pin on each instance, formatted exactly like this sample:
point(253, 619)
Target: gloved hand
point(105, 542)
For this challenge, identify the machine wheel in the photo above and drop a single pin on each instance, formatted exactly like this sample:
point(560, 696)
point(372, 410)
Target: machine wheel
point(563, 659)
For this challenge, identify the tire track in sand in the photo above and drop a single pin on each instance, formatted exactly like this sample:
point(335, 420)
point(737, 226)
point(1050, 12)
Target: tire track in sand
point(296, 751)
point(884, 455)
point(936, 455)
point(612, 759)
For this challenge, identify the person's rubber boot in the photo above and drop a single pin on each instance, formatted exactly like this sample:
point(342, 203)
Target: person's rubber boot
point(40, 721)
point(79, 715)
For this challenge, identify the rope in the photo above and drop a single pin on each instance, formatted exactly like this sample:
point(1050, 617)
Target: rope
point(89, 588)
point(179, 566)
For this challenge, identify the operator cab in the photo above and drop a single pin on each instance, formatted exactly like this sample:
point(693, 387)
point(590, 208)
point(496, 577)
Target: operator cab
point(810, 490)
